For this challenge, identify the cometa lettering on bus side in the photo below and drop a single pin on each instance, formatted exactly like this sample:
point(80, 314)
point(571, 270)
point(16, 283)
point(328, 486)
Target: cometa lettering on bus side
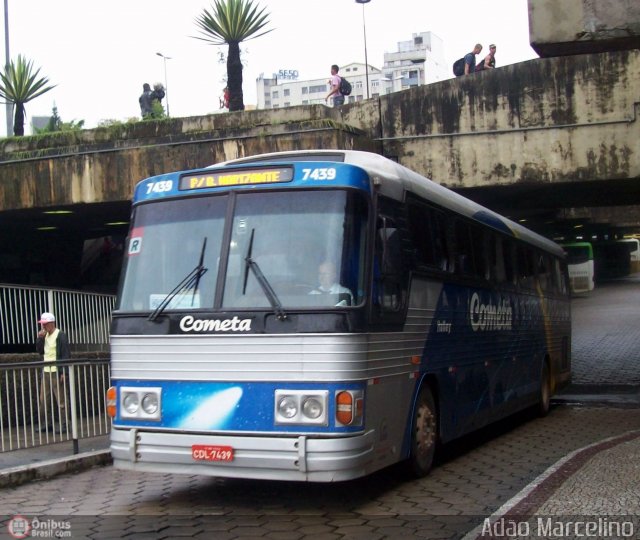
point(190, 324)
point(490, 316)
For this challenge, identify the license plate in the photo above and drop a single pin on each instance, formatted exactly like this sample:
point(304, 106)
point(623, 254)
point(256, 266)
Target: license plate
point(207, 452)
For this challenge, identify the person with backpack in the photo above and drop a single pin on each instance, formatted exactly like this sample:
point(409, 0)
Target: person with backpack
point(334, 87)
point(467, 64)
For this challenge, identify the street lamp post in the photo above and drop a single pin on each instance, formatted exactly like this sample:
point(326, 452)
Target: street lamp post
point(364, 31)
point(166, 84)
point(7, 62)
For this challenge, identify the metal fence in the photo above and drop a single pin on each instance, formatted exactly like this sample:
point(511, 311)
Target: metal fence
point(39, 408)
point(85, 317)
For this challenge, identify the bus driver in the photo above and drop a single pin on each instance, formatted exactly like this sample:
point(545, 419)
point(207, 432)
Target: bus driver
point(328, 285)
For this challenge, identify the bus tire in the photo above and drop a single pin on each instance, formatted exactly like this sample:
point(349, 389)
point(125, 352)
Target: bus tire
point(424, 434)
point(544, 398)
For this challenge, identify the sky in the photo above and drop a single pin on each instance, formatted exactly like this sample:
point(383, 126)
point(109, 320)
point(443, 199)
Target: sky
point(99, 54)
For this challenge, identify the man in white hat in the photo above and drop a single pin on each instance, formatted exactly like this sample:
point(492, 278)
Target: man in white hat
point(53, 344)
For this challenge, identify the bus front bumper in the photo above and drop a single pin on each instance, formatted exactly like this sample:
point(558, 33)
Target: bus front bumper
point(297, 458)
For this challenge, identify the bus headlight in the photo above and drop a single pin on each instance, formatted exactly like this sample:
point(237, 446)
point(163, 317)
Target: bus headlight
point(143, 403)
point(287, 408)
point(312, 408)
point(301, 407)
point(130, 403)
point(150, 403)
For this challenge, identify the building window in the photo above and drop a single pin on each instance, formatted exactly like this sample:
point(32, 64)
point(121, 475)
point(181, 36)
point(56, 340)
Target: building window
point(287, 104)
point(317, 88)
point(375, 83)
point(305, 102)
point(275, 94)
point(305, 89)
point(358, 85)
point(286, 92)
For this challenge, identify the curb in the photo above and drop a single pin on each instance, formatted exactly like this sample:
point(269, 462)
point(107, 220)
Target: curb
point(48, 469)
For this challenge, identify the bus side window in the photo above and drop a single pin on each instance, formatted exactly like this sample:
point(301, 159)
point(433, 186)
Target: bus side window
point(391, 260)
point(428, 234)
point(471, 250)
point(560, 283)
point(526, 268)
point(390, 288)
point(508, 251)
point(544, 272)
point(496, 260)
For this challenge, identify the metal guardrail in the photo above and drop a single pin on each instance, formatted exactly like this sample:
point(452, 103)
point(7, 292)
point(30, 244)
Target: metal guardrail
point(85, 317)
point(29, 419)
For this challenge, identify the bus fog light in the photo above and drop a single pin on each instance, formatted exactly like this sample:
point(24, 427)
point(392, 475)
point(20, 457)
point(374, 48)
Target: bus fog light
point(150, 403)
point(130, 402)
point(288, 407)
point(312, 408)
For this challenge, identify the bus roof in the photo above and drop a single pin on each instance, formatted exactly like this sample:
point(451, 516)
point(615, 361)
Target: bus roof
point(394, 180)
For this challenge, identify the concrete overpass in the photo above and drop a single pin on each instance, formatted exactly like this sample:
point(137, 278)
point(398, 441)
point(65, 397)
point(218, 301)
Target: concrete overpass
point(549, 140)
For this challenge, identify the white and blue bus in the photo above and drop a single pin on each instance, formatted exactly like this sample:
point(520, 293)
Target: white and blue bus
point(581, 267)
point(320, 315)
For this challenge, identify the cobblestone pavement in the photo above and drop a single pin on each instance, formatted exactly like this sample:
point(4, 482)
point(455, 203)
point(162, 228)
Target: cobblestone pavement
point(606, 334)
point(474, 478)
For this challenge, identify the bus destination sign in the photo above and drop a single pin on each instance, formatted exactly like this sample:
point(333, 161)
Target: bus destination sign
point(271, 175)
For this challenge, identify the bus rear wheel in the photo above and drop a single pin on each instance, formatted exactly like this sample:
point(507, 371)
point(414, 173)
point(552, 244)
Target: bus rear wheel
point(424, 434)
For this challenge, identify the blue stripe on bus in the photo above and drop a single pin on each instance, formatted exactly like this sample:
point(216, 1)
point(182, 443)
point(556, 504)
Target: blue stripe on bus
point(230, 406)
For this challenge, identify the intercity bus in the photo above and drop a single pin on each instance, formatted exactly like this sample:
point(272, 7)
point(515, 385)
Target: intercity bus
point(228, 359)
point(581, 266)
point(634, 253)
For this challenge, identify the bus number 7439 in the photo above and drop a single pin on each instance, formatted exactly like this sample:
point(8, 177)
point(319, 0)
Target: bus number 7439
point(319, 174)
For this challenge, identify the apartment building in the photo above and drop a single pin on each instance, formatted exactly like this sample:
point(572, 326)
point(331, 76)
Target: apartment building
point(416, 62)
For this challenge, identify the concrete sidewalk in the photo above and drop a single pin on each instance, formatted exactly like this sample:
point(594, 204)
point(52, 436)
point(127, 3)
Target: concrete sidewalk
point(40, 462)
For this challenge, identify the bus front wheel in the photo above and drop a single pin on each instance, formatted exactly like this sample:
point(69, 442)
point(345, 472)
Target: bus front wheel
point(424, 434)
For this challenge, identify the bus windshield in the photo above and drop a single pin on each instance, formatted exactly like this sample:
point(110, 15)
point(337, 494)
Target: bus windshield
point(306, 247)
point(578, 253)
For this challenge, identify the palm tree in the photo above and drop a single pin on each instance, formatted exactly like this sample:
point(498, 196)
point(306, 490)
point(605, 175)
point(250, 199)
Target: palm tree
point(231, 22)
point(19, 84)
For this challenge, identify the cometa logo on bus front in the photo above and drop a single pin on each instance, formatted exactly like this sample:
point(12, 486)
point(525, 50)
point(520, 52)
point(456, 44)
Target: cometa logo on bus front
point(191, 324)
point(490, 316)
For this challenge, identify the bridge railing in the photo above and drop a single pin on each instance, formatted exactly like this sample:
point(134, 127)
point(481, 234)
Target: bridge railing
point(75, 408)
point(85, 317)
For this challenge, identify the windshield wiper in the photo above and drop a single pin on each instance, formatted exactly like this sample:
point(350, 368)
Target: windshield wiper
point(262, 280)
point(191, 279)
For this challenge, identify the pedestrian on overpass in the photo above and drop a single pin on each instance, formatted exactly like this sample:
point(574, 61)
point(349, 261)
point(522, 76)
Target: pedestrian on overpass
point(470, 59)
point(489, 61)
point(53, 345)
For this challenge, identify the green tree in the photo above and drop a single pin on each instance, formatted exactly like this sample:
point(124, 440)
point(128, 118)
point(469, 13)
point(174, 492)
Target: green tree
point(18, 85)
point(56, 124)
point(232, 22)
